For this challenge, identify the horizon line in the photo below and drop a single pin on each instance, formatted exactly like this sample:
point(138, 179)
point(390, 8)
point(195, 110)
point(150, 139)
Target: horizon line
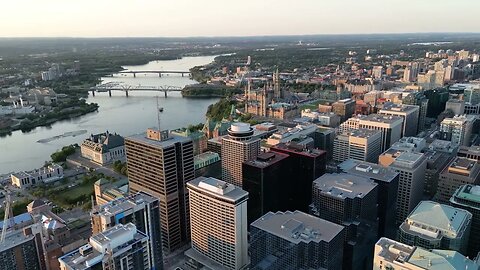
point(235, 36)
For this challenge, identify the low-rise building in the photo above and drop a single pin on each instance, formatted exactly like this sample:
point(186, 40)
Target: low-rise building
point(104, 148)
point(107, 191)
point(436, 226)
point(390, 254)
point(47, 174)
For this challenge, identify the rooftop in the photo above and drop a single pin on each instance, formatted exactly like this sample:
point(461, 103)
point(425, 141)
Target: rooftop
point(266, 159)
point(463, 166)
point(171, 140)
point(344, 185)
point(469, 193)
point(115, 238)
point(120, 205)
point(218, 188)
point(398, 253)
point(372, 171)
point(387, 119)
point(362, 133)
point(397, 108)
point(433, 219)
point(298, 227)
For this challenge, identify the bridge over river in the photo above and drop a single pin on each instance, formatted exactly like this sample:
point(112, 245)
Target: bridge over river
point(159, 72)
point(117, 86)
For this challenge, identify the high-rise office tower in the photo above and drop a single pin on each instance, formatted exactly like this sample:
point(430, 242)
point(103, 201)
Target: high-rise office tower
point(23, 246)
point(419, 99)
point(409, 114)
point(161, 165)
point(472, 93)
point(306, 165)
point(457, 129)
point(120, 247)
point(360, 144)
point(295, 240)
point(345, 108)
point(459, 172)
point(411, 168)
point(140, 209)
point(387, 181)
point(436, 162)
point(467, 197)
point(350, 201)
point(432, 225)
point(390, 126)
point(218, 214)
point(390, 254)
point(267, 179)
point(238, 146)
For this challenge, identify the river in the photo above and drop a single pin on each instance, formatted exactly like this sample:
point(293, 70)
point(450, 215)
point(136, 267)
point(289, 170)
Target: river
point(125, 116)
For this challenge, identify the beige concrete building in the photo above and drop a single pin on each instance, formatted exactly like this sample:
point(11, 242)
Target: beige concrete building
point(390, 126)
point(409, 113)
point(218, 219)
point(411, 168)
point(238, 146)
point(360, 144)
point(47, 174)
point(457, 129)
point(103, 148)
point(161, 165)
point(459, 172)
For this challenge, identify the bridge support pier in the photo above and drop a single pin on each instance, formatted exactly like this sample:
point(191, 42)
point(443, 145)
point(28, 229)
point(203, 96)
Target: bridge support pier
point(93, 93)
point(109, 93)
point(165, 94)
point(126, 93)
point(183, 74)
point(159, 74)
point(134, 75)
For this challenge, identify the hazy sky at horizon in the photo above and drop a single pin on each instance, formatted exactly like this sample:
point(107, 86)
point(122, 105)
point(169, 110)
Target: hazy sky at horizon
point(161, 18)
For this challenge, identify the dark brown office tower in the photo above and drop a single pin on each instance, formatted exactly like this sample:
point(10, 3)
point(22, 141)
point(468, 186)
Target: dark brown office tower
point(306, 165)
point(161, 165)
point(267, 179)
point(345, 108)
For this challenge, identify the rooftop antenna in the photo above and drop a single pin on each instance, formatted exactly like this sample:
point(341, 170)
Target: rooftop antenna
point(159, 111)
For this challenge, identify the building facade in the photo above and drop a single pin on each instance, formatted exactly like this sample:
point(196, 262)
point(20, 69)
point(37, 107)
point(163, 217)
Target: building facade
point(467, 197)
point(218, 215)
point(460, 171)
point(161, 165)
point(295, 240)
point(103, 148)
point(350, 201)
point(411, 168)
point(436, 226)
point(238, 146)
point(120, 247)
point(140, 209)
point(360, 144)
point(390, 254)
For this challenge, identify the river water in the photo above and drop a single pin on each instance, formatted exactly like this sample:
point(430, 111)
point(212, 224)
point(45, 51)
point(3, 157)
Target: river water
point(120, 114)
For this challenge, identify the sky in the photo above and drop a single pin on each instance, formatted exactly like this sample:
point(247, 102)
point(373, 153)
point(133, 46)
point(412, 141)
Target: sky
point(184, 18)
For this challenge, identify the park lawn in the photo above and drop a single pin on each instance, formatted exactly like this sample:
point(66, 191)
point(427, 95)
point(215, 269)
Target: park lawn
point(314, 105)
point(74, 192)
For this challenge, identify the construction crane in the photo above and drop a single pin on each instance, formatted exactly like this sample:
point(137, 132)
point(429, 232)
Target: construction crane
point(8, 215)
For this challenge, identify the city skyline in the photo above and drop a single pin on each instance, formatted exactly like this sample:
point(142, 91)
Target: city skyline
point(217, 18)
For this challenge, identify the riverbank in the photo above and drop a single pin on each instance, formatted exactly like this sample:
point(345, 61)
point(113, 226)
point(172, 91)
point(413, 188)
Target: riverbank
point(209, 90)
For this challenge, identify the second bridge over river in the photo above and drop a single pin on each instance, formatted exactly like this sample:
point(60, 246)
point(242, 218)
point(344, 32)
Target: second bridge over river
point(159, 72)
point(115, 86)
